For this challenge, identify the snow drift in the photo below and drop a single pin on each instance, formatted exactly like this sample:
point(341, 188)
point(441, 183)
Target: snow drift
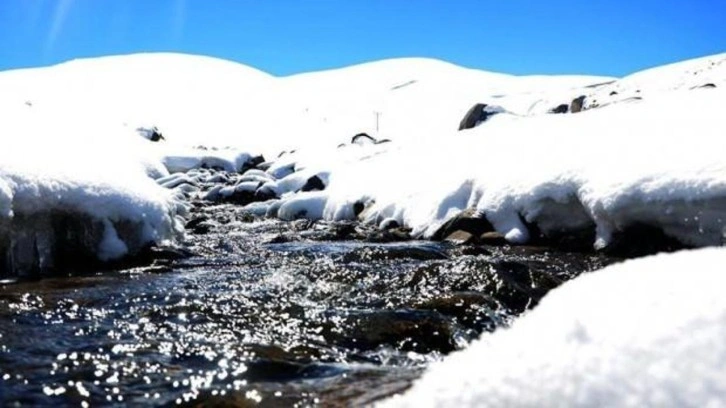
point(643, 333)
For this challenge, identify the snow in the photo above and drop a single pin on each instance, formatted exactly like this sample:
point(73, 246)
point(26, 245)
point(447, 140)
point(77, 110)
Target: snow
point(75, 137)
point(643, 333)
point(50, 166)
point(655, 161)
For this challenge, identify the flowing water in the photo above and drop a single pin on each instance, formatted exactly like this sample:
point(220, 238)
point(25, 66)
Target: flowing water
point(263, 313)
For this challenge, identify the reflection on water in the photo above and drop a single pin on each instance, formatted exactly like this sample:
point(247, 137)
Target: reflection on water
point(242, 323)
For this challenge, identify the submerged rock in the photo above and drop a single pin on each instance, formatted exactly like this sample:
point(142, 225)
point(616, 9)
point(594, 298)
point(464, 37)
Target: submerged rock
point(418, 331)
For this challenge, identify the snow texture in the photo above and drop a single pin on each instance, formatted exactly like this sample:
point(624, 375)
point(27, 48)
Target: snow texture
point(644, 333)
point(646, 149)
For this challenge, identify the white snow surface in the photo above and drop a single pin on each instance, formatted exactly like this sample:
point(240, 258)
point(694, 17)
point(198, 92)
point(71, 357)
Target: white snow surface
point(644, 333)
point(49, 163)
point(648, 150)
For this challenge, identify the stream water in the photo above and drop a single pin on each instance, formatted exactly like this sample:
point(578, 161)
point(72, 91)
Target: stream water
point(263, 313)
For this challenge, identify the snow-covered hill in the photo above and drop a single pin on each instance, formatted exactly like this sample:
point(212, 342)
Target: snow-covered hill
point(645, 149)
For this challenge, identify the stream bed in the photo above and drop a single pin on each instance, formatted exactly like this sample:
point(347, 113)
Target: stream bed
point(264, 312)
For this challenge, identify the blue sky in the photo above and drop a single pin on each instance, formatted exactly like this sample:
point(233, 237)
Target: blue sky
point(613, 37)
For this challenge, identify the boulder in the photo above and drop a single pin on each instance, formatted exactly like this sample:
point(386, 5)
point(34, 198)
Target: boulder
point(314, 183)
point(563, 108)
point(477, 114)
point(577, 104)
point(465, 228)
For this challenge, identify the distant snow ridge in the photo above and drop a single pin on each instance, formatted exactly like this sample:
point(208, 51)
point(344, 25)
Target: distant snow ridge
point(645, 333)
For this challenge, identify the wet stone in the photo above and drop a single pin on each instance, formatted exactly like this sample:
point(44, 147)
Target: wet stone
point(407, 330)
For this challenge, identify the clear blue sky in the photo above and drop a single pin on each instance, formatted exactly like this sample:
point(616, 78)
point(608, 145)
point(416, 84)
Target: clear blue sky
point(613, 37)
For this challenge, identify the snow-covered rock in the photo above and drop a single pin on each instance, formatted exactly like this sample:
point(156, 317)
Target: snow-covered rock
point(645, 333)
point(71, 193)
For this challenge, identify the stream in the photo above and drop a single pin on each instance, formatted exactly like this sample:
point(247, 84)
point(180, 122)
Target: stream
point(264, 312)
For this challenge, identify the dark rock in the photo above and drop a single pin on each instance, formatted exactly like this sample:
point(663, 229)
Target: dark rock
point(460, 237)
point(577, 104)
point(639, 240)
point(358, 208)
point(421, 252)
point(389, 235)
point(613, 93)
point(363, 138)
point(492, 238)
point(196, 221)
point(314, 183)
point(468, 221)
point(460, 305)
point(252, 163)
point(264, 193)
point(383, 141)
point(477, 114)
point(407, 330)
point(709, 85)
point(389, 223)
point(278, 239)
point(564, 108)
point(153, 134)
point(199, 225)
point(266, 370)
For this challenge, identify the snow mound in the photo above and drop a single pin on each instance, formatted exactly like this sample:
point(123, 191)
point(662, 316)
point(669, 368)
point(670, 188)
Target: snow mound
point(643, 333)
point(73, 191)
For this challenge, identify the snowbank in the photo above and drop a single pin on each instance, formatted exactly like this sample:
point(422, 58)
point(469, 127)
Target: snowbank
point(643, 333)
point(83, 189)
point(655, 161)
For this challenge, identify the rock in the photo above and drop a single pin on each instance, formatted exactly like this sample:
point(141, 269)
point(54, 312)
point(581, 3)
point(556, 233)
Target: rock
point(477, 114)
point(363, 139)
point(407, 330)
point(492, 238)
point(358, 208)
point(639, 240)
point(613, 93)
point(460, 237)
point(265, 193)
point(397, 234)
point(314, 183)
point(564, 108)
point(463, 306)
point(577, 104)
point(709, 85)
point(389, 223)
point(252, 163)
point(468, 221)
point(152, 133)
